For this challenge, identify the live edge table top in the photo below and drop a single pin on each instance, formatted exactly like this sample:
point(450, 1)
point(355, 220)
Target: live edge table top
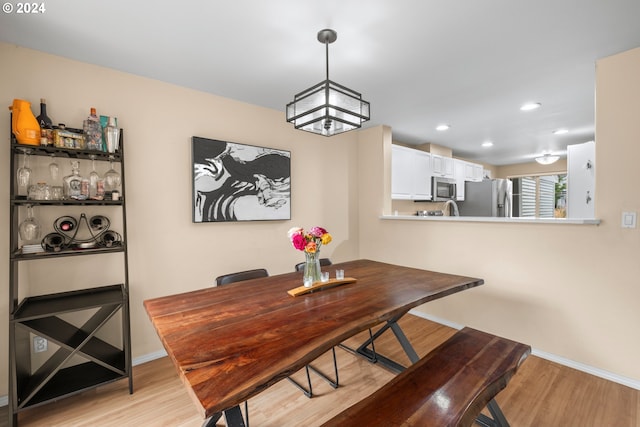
point(231, 342)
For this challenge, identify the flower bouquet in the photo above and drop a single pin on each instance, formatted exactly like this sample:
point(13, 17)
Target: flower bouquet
point(310, 242)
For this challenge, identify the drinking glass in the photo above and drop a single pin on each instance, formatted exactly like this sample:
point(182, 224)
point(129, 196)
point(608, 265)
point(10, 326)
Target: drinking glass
point(29, 229)
point(23, 174)
point(111, 178)
point(93, 178)
point(54, 169)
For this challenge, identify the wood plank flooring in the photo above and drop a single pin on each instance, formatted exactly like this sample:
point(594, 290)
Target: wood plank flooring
point(542, 394)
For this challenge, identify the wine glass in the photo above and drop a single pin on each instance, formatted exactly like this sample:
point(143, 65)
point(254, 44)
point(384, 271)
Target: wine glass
point(54, 169)
point(93, 178)
point(29, 229)
point(111, 178)
point(24, 174)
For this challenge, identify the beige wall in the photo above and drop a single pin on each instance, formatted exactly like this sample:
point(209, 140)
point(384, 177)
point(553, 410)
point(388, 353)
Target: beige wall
point(569, 290)
point(168, 253)
point(531, 168)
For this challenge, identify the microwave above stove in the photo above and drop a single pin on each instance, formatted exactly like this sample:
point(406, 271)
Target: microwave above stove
point(443, 189)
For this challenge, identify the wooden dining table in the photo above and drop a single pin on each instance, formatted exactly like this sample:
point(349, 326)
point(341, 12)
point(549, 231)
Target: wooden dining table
point(229, 343)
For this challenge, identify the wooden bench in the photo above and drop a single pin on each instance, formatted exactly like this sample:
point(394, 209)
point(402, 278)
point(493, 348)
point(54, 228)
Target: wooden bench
point(448, 387)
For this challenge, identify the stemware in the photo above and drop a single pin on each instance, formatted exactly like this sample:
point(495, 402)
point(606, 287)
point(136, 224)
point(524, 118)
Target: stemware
point(94, 178)
point(54, 169)
point(111, 178)
point(29, 229)
point(23, 174)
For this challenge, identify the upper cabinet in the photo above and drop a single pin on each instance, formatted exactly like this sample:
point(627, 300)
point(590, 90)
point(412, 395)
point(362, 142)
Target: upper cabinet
point(473, 172)
point(460, 169)
point(442, 166)
point(410, 174)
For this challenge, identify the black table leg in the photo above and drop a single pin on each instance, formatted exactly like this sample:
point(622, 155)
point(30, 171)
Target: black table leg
point(233, 417)
point(392, 324)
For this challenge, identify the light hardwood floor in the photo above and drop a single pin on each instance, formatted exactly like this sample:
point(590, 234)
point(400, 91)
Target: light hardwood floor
point(542, 394)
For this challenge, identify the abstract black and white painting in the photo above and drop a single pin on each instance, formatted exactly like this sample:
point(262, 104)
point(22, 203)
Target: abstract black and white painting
point(238, 182)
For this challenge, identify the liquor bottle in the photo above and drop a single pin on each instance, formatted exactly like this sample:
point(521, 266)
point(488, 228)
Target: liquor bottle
point(46, 125)
point(92, 132)
point(72, 184)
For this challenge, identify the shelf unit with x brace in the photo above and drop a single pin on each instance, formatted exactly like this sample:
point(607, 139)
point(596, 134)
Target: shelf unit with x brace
point(80, 360)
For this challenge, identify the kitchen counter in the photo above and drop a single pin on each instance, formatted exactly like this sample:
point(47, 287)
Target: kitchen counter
point(578, 221)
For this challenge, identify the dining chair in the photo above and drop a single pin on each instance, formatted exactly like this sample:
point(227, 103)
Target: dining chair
point(323, 262)
point(238, 277)
point(261, 272)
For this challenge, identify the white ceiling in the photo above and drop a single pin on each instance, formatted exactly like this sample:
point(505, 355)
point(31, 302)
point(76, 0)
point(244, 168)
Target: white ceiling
point(468, 63)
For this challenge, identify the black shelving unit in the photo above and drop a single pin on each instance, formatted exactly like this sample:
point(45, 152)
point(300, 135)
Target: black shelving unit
point(81, 360)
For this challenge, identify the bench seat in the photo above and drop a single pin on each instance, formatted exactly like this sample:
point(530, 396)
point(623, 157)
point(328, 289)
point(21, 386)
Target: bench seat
point(448, 387)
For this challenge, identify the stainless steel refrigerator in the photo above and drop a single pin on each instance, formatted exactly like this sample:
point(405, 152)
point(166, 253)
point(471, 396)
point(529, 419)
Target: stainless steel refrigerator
point(490, 197)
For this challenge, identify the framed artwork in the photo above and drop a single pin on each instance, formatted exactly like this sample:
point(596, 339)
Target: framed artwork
point(239, 182)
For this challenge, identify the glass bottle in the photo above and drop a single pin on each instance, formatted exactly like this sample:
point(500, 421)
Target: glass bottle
point(46, 125)
point(72, 184)
point(92, 131)
point(112, 135)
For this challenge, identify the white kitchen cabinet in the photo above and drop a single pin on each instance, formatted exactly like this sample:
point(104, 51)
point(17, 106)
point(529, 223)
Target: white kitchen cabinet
point(460, 168)
point(410, 174)
point(473, 172)
point(442, 166)
point(581, 180)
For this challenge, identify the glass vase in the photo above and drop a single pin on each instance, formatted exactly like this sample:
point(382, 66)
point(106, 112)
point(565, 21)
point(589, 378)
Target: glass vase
point(311, 268)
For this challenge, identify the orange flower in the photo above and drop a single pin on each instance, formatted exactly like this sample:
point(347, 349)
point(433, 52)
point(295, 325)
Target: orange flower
point(311, 247)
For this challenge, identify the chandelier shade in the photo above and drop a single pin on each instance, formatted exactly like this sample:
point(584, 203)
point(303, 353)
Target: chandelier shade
point(328, 108)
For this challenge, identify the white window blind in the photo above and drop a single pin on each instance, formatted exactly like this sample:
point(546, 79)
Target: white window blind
point(547, 202)
point(527, 197)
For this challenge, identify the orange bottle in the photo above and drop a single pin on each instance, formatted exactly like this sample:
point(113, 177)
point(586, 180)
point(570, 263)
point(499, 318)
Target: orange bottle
point(24, 124)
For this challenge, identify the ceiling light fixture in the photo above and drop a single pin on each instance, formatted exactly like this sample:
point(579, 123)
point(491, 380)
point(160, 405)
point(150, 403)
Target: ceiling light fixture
point(547, 159)
point(328, 108)
point(530, 106)
point(487, 144)
point(442, 127)
point(560, 131)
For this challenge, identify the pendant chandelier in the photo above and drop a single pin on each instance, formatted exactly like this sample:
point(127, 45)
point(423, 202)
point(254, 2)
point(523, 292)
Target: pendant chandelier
point(328, 108)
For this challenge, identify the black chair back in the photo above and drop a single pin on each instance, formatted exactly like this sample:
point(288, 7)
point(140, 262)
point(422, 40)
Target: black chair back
point(240, 276)
point(323, 262)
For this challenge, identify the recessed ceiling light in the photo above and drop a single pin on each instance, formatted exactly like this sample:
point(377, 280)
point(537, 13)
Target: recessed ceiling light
point(560, 131)
point(442, 127)
point(530, 106)
point(487, 144)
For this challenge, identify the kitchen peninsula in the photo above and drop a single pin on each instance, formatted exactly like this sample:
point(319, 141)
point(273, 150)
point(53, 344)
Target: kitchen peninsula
point(521, 220)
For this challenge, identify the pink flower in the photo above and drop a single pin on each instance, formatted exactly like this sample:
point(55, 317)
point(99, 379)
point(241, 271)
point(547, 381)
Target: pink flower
point(298, 241)
point(294, 230)
point(317, 231)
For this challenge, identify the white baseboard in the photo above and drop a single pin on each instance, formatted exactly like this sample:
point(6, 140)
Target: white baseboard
point(629, 382)
point(148, 357)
